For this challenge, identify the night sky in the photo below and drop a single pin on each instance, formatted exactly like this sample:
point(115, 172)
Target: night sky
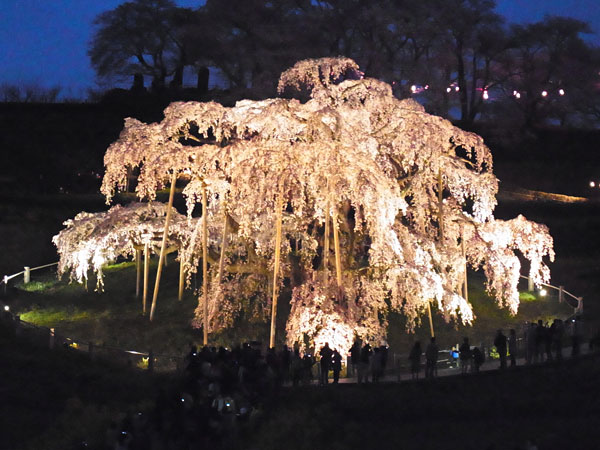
point(44, 42)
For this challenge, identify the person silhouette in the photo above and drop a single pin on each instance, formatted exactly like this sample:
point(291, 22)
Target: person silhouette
point(500, 343)
point(336, 365)
point(465, 355)
point(512, 347)
point(431, 357)
point(415, 360)
point(325, 363)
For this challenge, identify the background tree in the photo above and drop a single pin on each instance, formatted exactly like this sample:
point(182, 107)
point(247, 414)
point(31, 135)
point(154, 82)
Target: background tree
point(140, 36)
point(551, 70)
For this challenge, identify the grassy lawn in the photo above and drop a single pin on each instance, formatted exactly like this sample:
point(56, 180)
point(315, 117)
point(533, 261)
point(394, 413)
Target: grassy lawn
point(114, 317)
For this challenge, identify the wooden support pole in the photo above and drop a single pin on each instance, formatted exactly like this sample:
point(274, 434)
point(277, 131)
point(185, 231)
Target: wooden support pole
point(223, 248)
point(276, 266)
point(163, 245)
point(430, 319)
point(181, 276)
point(326, 246)
point(440, 235)
point(465, 284)
point(146, 275)
point(205, 263)
point(338, 256)
point(440, 206)
point(138, 271)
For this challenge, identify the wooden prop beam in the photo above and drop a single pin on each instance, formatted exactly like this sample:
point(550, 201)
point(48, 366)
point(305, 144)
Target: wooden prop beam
point(181, 276)
point(430, 319)
point(338, 256)
point(223, 248)
point(138, 271)
point(205, 263)
point(465, 284)
point(146, 275)
point(276, 267)
point(326, 246)
point(440, 206)
point(163, 245)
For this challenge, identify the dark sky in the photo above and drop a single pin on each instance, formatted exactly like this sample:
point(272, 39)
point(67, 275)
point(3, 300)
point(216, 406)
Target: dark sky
point(44, 42)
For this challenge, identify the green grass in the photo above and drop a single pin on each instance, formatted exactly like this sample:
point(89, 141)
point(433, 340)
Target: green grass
point(114, 317)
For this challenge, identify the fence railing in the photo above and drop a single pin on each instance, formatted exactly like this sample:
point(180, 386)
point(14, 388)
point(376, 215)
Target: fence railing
point(26, 272)
point(50, 337)
point(563, 295)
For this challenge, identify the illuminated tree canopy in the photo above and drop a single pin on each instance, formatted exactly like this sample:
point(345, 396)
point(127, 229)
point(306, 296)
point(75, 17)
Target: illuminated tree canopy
point(408, 197)
point(91, 240)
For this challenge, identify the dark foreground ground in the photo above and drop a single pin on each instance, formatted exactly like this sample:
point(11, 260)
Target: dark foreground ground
point(60, 399)
point(557, 406)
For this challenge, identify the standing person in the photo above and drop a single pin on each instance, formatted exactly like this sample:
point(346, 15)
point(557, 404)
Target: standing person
point(431, 356)
point(530, 338)
point(465, 355)
point(478, 359)
point(415, 360)
point(512, 347)
point(376, 364)
point(325, 354)
point(557, 338)
point(363, 365)
point(285, 359)
point(384, 358)
point(296, 367)
point(336, 365)
point(548, 337)
point(500, 343)
point(540, 334)
point(355, 357)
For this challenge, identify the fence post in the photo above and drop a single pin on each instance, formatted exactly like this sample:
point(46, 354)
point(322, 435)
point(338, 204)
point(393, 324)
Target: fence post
point(26, 275)
point(5, 279)
point(150, 361)
point(530, 286)
point(18, 328)
point(51, 339)
point(561, 295)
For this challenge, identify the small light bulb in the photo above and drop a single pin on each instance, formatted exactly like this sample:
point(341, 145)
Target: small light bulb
point(592, 184)
point(413, 89)
point(543, 292)
point(561, 92)
point(544, 93)
point(6, 308)
point(448, 89)
point(485, 95)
